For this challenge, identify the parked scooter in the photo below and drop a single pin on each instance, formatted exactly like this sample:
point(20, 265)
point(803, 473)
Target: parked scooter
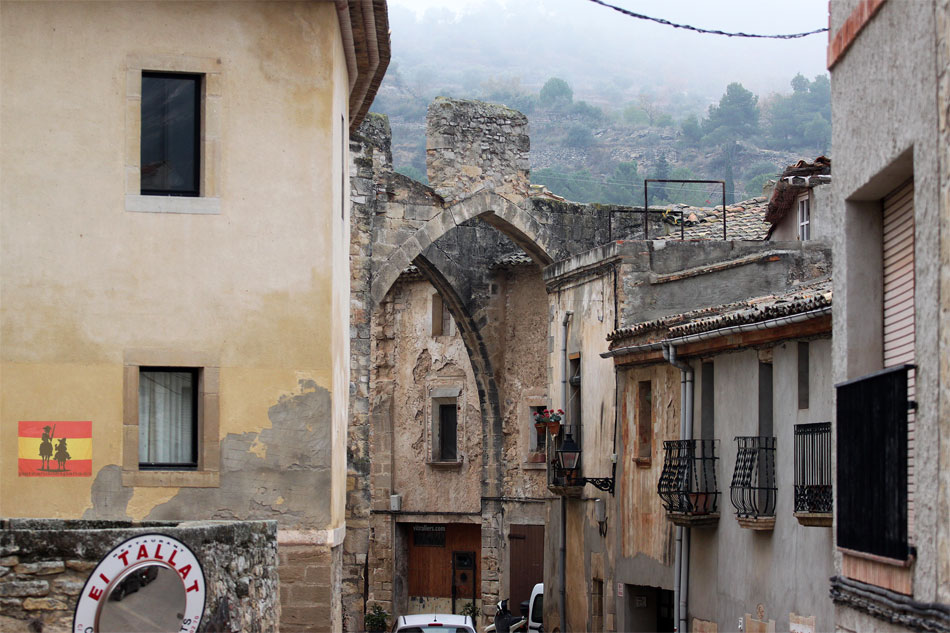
point(505, 621)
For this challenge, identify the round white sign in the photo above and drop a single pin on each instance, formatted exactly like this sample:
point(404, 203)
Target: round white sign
point(149, 582)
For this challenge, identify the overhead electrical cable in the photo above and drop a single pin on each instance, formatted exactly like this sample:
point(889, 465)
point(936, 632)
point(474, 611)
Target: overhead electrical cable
point(640, 16)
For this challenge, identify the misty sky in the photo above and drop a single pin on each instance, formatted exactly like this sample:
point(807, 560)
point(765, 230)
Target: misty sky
point(602, 53)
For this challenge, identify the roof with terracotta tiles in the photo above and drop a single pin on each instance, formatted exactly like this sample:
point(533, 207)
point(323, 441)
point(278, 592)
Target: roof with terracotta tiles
point(744, 221)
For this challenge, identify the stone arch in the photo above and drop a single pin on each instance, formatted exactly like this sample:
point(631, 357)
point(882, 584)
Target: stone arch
point(509, 218)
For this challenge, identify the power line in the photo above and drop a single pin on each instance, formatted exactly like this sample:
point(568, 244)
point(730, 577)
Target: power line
point(640, 16)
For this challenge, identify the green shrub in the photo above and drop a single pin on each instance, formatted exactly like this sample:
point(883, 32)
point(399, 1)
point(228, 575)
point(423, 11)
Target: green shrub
point(376, 619)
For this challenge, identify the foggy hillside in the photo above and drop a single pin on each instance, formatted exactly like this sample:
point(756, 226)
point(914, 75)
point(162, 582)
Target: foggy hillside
point(633, 86)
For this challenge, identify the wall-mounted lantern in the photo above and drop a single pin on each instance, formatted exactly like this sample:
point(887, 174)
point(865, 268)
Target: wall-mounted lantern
point(569, 454)
point(568, 462)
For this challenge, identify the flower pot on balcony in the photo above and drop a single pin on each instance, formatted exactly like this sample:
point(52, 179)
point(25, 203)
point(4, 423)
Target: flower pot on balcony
point(701, 502)
point(553, 427)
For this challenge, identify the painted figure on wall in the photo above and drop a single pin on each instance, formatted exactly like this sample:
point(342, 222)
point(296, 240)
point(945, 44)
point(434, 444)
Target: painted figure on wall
point(46, 447)
point(62, 455)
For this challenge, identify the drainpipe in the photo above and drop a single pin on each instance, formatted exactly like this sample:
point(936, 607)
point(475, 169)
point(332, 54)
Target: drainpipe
point(562, 574)
point(681, 562)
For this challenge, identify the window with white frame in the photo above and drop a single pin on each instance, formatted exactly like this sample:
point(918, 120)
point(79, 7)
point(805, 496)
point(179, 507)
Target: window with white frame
point(804, 218)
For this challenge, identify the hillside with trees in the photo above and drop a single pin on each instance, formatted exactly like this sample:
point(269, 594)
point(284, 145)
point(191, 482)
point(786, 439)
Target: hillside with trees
point(602, 153)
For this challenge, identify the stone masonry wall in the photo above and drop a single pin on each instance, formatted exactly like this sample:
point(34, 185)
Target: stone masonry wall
point(44, 564)
point(307, 576)
point(471, 145)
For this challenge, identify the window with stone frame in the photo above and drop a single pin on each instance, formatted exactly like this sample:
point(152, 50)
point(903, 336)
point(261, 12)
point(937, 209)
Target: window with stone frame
point(170, 134)
point(170, 419)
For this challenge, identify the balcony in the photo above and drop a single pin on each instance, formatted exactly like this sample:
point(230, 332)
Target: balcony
point(753, 487)
point(688, 484)
point(814, 503)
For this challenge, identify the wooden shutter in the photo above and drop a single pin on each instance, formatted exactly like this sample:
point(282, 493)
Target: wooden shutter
point(899, 328)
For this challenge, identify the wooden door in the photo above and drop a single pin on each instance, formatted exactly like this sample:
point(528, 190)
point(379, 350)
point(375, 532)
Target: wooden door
point(526, 563)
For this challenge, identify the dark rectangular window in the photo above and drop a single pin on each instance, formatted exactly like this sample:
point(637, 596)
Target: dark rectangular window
point(574, 397)
point(171, 134)
point(168, 418)
point(803, 375)
point(541, 435)
point(644, 421)
point(448, 432)
point(708, 404)
point(872, 463)
point(765, 399)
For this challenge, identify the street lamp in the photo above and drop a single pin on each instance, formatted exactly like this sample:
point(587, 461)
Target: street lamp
point(569, 454)
point(568, 459)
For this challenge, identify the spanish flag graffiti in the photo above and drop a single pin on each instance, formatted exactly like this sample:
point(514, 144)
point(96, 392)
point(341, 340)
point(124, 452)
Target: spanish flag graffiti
point(55, 449)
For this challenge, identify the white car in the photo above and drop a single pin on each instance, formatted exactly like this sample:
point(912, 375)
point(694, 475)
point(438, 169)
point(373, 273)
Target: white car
point(434, 623)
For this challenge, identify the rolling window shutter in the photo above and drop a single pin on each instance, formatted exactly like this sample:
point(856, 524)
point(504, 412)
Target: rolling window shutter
point(899, 328)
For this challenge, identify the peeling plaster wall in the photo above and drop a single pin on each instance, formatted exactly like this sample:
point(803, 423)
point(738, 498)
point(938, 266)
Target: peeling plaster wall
point(259, 287)
point(248, 288)
point(522, 317)
point(420, 363)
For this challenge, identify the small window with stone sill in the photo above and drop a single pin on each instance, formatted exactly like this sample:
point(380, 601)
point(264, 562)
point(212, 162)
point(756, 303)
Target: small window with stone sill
point(444, 430)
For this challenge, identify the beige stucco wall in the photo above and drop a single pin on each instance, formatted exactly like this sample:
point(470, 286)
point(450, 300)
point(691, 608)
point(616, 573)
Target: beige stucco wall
point(260, 286)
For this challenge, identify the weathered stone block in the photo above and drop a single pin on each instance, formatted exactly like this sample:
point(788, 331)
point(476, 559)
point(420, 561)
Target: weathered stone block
point(44, 604)
point(41, 569)
point(24, 588)
point(68, 586)
point(80, 565)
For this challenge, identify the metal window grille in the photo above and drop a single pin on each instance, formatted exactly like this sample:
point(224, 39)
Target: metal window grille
point(753, 487)
point(872, 463)
point(688, 481)
point(813, 468)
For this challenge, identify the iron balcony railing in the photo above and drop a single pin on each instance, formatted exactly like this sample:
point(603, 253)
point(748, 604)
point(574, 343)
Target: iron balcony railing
point(688, 481)
point(813, 468)
point(753, 481)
